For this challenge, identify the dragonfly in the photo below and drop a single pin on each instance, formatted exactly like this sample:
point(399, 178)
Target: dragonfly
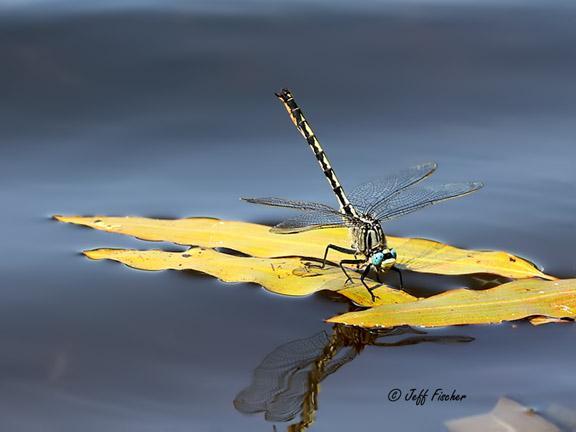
point(363, 210)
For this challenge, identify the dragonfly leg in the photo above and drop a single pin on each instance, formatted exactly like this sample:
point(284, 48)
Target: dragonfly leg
point(348, 278)
point(378, 274)
point(336, 248)
point(397, 270)
point(364, 274)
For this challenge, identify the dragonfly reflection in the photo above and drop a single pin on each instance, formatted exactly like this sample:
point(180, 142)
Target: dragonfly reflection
point(286, 383)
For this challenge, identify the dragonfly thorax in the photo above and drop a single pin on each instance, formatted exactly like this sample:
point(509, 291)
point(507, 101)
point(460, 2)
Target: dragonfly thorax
point(368, 237)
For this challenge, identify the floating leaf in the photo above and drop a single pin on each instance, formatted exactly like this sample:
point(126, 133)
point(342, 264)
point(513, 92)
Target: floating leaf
point(256, 240)
point(511, 301)
point(288, 276)
point(507, 416)
point(537, 321)
point(428, 256)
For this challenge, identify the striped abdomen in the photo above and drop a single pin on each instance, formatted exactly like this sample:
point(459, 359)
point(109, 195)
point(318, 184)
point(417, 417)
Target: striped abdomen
point(303, 126)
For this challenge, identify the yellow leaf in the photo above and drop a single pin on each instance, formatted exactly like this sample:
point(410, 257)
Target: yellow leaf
point(511, 301)
point(537, 321)
point(428, 256)
point(256, 240)
point(288, 276)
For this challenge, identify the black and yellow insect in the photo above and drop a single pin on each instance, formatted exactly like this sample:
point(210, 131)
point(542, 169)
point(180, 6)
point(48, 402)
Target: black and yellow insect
point(368, 205)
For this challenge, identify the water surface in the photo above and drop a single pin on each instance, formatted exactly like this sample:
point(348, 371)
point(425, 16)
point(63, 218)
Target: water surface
point(170, 113)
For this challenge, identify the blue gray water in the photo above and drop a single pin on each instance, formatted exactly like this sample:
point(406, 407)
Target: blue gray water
point(170, 112)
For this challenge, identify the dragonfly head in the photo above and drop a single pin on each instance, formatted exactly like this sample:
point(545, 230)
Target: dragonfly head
point(385, 258)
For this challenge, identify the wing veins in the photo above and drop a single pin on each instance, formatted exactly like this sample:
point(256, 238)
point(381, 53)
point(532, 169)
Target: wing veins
point(409, 200)
point(314, 215)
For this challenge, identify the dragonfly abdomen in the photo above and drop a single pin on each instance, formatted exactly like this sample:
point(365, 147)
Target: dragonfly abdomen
point(297, 117)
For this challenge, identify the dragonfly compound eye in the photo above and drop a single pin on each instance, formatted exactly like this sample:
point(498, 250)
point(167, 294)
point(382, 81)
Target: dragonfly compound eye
point(377, 258)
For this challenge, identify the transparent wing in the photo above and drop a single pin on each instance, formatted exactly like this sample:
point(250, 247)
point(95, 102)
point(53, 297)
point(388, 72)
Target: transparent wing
point(409, 200)
point(314, 216)
point(293, 204)
point(366, 194)
point(309, 221)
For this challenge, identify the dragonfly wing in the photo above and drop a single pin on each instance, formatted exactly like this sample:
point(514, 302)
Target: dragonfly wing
point(292, 204)
point(309, 221)
point(375, 190)
point(314, 216)
point(409, 200)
